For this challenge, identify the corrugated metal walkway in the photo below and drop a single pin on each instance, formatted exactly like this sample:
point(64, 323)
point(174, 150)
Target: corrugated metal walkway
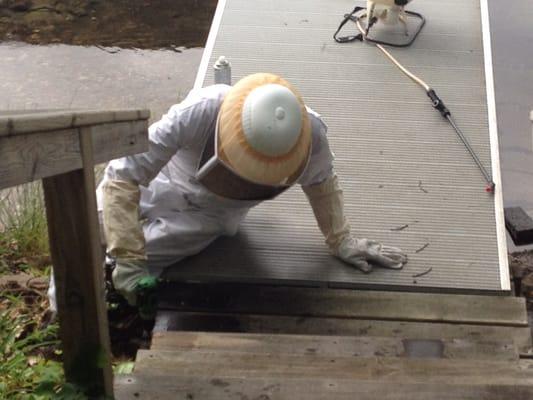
point(408, 180)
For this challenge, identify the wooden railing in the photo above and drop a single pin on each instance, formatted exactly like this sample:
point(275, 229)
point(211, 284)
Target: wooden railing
point(61, 148)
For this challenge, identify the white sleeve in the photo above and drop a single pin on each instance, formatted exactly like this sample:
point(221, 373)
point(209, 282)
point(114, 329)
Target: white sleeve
point(320, 166)
point(177, 129)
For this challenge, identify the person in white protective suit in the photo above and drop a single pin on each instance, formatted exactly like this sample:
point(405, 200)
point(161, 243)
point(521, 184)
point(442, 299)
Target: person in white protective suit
point(211, 158)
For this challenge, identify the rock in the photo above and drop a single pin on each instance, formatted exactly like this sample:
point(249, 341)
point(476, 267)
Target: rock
point(41, 17)
point(50, 4)
point(74, 8)
point(79, 8)
point(521, 264)
point(20, 5)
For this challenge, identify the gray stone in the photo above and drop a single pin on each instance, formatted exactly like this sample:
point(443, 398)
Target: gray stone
point(20, 5)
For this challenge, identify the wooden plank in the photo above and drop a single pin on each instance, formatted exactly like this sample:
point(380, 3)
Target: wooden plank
point(371, 369)
point(334, 346)
point(177, 387)
point(339, 303)
point(119, 139)
point(34, 122)
point(171, 320)
point(25, 158)
point(78, 271)
point(28, 122)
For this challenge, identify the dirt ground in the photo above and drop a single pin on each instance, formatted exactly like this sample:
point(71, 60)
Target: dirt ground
point(521, 262)
point(521, 265)
point(144, 24)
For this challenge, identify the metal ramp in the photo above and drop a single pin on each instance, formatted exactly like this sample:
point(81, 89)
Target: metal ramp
point(408, 180)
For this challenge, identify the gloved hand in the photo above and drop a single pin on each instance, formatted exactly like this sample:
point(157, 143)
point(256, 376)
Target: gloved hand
point(125, 242)
point(361, 252)
point(328, 206)
point(126, 277)
point(132, 280)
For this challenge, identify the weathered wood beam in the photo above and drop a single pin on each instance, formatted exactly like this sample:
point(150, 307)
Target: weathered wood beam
point(151, 387)
point(23, 122)
point(336, 346)
point(25, 158)
point(374, 369)
point(276, 324)
point(78, 271)
point(340, 303)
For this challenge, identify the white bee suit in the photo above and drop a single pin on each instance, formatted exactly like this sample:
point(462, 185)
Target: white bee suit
point(180, 216)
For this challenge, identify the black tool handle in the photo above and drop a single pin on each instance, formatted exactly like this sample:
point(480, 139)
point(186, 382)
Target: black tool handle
point(438, 103)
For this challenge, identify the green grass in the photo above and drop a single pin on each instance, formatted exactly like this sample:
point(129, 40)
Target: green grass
point(30, 356)
point(24, 369)
point(30, 368)
point(23, 230)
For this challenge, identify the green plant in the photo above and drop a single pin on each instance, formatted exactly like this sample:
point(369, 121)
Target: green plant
point(23, 230)
point(23, 368)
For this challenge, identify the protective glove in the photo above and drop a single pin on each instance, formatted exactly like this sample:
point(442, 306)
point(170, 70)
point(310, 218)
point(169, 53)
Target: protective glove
point(361, 252)
point(126, 277)
point(328, 206)
point(120, 216)
point(124, 238)
point(132, 280)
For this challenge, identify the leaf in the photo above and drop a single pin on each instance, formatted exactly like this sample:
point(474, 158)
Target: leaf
point(124, 368)
point(71, 391)
point(102, 358)
point(51, 371)
point(45, 388)
point(68, 391)
point(33, 360)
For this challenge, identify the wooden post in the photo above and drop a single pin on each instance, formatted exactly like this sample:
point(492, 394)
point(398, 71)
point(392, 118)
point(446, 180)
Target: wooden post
point(61, 148)
point(78, 270)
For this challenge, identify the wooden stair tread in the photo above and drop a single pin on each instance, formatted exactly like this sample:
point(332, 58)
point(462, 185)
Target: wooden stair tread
point(316, 343)
point(276, 324)
point(153, 387)
point(341, 303)
point(334, 346)
point(202, 363)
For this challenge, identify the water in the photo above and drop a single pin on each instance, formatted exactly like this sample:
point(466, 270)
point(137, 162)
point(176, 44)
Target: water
point(145, 24)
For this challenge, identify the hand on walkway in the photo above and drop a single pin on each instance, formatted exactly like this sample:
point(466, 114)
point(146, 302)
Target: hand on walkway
point(363, 253)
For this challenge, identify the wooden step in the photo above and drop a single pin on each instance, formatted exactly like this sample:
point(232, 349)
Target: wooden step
point(333, 346)
point(270, 324)
point(340, 303)
point(179, 387)
point(201, 363)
